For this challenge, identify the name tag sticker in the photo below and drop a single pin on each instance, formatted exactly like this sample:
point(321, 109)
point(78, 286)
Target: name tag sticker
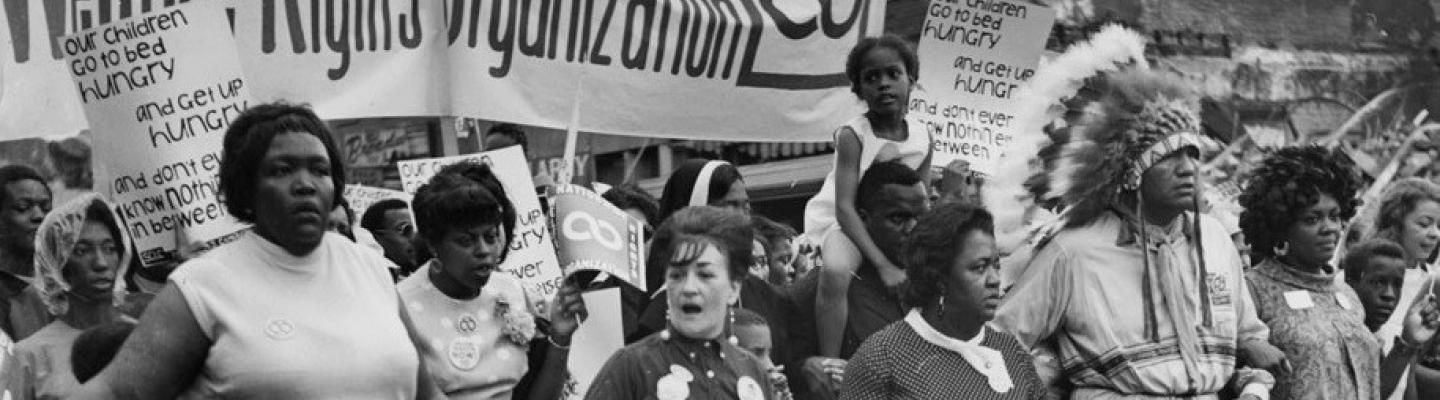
point(1299, 299)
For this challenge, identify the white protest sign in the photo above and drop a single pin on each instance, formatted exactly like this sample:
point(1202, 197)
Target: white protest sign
point(598, 338)
point(160, 89)
point(974, 55)
point(594, 234)
point(532, 253)
point(362, 197)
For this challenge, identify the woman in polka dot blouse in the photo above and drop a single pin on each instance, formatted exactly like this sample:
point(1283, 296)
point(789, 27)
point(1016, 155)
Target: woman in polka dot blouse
point(474, 325)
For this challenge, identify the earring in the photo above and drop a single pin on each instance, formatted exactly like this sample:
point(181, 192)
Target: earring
point(734, 341)
point(1283, 249)
point(665, 333)
point(941, 311)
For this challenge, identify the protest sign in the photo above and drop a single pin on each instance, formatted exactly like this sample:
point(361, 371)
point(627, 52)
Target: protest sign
point(532, 253)
point(974, 55)
point(593, 234)
point(665, 68)
point(597, 338)
point(362, 197)
point(160, 89)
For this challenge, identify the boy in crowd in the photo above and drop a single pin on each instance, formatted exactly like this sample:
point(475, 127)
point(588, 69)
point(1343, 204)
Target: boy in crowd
point(753, 335)
point(1375, 269)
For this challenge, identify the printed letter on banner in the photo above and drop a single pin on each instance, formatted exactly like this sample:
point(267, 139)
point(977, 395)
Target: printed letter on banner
point(532, 253)
point(974, 56)
point(594, 234)
point(159, 90)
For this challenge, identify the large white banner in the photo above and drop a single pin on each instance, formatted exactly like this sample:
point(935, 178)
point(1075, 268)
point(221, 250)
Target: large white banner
point(532, 251)
point(750, 70)
point(161, 88)
point(346, 58)
point(974, 55)
point(753, 70)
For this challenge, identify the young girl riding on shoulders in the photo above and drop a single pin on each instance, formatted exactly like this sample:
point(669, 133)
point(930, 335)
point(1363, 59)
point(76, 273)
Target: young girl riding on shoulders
point(882, 72)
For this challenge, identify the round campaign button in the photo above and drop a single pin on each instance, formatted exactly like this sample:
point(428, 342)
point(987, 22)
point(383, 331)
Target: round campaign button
point(464, 353)
point(279, 329)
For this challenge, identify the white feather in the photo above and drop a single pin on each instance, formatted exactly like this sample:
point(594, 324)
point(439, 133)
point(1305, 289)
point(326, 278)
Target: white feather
point(1039, 103)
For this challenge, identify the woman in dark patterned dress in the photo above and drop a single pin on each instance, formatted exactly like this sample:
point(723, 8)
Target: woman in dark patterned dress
point(705, 252)
point(944, 347)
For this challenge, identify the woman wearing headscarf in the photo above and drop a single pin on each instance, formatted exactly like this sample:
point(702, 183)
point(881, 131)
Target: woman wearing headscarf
point(286, 311)
point(79, 252)
point(705, 252)
point(704, 183)
point(953, 292)
point(1296, 204)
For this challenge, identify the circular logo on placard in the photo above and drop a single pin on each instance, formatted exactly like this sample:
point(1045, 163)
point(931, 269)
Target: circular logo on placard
point(467, 324)
point(464, 353)
point(279, 329)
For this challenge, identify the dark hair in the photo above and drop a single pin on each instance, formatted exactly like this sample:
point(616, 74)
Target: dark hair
point(511, 131)
point(676, 194)
point(374, 218)
point(345, 204)
point(95, 347)
point(932, 246)
point(631, 196)
point(1357, 258)
point(728, 230)
point(349, 218)
point(888, 41)
point(1399, 199)
point(771, 231)
point(99, 211)
point(872, 186)
point(248, 139)
point(744, 317)
point(14, 173)
point(1286, 183)
point(463, 195)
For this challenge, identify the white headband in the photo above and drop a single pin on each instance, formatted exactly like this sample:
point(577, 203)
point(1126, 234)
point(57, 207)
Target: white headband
point(700, 194)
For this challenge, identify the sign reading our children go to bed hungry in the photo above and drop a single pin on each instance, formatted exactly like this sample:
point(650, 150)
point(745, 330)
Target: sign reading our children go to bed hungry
point(159, 90)
point(974, 56)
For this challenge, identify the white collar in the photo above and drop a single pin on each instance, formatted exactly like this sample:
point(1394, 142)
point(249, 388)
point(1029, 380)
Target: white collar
point(987, 361)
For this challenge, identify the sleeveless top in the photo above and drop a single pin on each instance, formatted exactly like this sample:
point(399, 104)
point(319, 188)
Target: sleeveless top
point(321, 326)
point(820, 211)
point(465, 342)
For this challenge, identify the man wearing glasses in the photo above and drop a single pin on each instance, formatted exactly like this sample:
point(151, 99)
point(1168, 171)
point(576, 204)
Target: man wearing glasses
point(389, 220)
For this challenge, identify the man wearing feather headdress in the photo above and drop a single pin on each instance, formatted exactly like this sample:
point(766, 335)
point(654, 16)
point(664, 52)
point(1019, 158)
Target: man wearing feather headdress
point(1138, 295)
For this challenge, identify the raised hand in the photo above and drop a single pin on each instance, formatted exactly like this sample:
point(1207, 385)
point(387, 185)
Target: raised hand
point(566, 312)
point(1422, 320)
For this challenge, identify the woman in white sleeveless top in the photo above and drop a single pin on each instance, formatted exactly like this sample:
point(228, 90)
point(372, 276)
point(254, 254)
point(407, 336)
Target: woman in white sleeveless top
point(287, 311)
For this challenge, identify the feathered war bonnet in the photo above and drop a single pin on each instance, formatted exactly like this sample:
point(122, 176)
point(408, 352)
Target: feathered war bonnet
point(1138, 118)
